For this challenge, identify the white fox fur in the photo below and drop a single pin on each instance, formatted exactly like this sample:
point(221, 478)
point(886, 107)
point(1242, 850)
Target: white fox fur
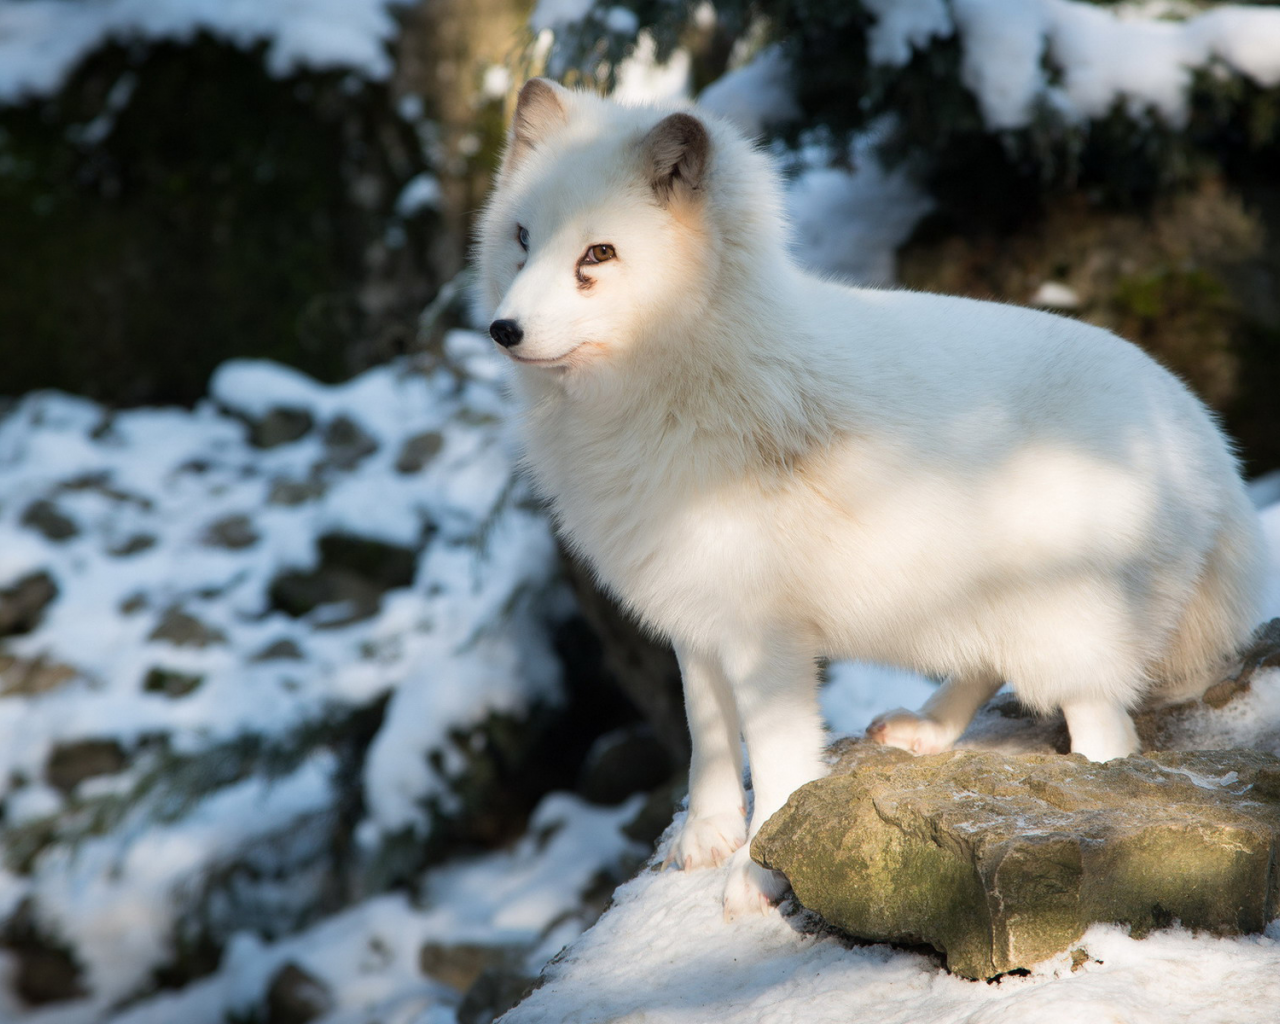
point(768, 468)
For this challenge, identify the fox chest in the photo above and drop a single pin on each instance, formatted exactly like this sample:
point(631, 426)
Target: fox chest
point(713, 557)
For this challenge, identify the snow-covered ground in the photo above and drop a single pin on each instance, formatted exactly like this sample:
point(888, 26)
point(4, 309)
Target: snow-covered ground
point(664, 955)
point(166, 534)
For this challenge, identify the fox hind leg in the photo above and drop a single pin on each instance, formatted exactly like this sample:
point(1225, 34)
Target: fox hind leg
point(945, 715)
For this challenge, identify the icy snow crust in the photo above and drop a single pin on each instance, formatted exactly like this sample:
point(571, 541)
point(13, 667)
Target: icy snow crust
point(42, 40)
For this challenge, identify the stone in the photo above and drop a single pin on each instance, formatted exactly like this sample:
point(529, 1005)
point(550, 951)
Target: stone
point(27, 677)
point(44, 969)
point(233, 532)
point(280, 426)
point(625, 761)
point(294, 492)
point(640, 666)
point(183, 630)
point(418, 450)
point(458, 965)
point(170, 682)
point(247, 231)
point(1002, 860)
point(386, 565)
point(134, 544)
point(72, 763)
point(498, 988)
point(296, 996)
point(347, 444)
point(352, 575)
point(283, 649)
point(23, 602)
point(44, 517)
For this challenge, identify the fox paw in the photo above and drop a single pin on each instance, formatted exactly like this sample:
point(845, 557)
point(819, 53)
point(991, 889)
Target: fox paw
point(707, 841)
point(751, 889)
point(909, 730)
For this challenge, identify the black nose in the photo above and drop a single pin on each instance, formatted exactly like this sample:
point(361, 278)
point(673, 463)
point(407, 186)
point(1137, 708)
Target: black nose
point(506, 333)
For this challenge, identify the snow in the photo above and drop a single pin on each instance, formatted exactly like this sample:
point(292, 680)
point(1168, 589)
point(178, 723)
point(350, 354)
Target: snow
point(849, 213)
point(1127, 54)
point(855, 692)
point(903, 26)
point(849, 222)
point(119, 901)
point(42, 40)
point(368, 956)
point(642, 78)
point(468, 637)
point(553, 14)
point(664, 954)
point(755, 96)
point(1055, 295)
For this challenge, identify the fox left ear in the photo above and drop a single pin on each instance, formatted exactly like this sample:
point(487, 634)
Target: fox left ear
point(676, 152)
point(540, 110)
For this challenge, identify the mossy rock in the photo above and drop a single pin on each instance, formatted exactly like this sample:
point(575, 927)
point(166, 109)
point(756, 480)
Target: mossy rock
point(175, 204)
point(1001, 861)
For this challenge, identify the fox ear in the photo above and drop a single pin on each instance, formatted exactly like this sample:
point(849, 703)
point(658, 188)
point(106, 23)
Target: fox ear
point(540, 109)
point(676, 153)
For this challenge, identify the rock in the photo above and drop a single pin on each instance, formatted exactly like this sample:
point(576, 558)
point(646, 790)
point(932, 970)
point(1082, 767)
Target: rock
point(183, 630)
point(231, 532)
point(133, 545)
point(300, 593)
point(294, 492)
point(133, 268)
point(279, 426)
point(385, 565)
point(1002, 860)
point(134, 603)
point(418, 450)
point(498, 988)
point(347, 443)
point(44, 517)
point(457, 965)
point(170, 682)
point(283, 649)
point(71, 764)
point(28, 676)
point(624, 761)
point(23, 603)
point(353, 573)
point(44, 970)
point(644, 670)
point(296, 997)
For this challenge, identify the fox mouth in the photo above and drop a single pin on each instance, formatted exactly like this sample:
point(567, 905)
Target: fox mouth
point(552, 363)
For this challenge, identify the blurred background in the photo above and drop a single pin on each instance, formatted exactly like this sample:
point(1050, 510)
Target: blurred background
point(303, 716)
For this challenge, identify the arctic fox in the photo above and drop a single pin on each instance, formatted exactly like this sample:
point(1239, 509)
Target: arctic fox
point(768, 468)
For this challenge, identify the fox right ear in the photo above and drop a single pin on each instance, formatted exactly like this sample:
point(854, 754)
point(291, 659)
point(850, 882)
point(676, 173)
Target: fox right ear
point(540, 109)
point(676, 153)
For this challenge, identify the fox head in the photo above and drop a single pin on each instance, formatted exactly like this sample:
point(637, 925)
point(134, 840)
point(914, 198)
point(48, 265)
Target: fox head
point(599, 236)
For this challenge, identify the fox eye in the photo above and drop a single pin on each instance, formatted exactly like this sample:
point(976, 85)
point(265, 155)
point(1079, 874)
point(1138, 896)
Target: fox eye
point(522, 236)
point(599, 254)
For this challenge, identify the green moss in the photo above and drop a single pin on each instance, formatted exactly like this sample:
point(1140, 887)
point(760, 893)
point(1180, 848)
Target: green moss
point(1170, 292)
